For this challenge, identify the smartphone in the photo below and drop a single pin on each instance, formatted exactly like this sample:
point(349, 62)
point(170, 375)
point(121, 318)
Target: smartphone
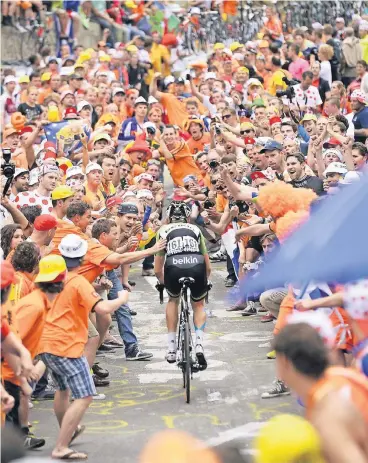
point(123, 183)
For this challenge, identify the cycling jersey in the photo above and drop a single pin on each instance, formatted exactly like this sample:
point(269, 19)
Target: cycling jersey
point(185, 253)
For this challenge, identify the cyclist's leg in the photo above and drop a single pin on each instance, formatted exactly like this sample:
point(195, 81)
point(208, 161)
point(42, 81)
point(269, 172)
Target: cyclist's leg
point(172, 323)
point(198, 294)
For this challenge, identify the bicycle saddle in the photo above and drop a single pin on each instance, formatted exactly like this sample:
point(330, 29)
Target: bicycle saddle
point(186, 281)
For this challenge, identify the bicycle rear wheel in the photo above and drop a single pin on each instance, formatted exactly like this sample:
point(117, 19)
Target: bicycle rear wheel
point(187, 364)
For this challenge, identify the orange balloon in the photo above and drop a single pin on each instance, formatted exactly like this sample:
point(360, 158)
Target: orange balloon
point(18, 120)
point(173, 446)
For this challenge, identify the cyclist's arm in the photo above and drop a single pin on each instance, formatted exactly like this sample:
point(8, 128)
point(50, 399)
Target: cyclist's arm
point(159, 262)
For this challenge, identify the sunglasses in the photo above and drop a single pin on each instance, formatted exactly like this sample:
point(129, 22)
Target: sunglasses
point(153, 162)
point(125, 170)
point(243, 132)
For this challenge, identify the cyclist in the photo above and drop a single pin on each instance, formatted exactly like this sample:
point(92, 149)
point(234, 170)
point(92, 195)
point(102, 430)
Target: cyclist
point(186, 256)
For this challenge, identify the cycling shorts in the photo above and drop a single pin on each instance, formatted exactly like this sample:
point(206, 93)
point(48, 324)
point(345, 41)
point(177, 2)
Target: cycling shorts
point(186, 265)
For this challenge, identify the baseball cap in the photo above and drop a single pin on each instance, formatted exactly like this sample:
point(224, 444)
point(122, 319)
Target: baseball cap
point(140, 100)
point(127, 208)
point(235, 45)
point(132, 49)
point(9, 79)
point(93, 166)
point(263, 44)
point(23, 80)
point(82, 104)
point(168, 80)
point(152, 100)
point(46, 76)
point(118, 90)
point(238, 88)
point(113, 201)
point(144, 194)
point(257, 174)
point(51, 268)
point(65, 93)
point(7, 274)
point(45, 222)
point(25, 129)
point(74, 170)
point(317, 26)
point(150, 125)
point(20, 171)
point(358, 94)
point(340, 20)
point(333, 151)
point(249, 141)
point(199, 64)
point(287, 438)
point(48, 169)
point(210, 75)
point(218, 46)
point(144, 176)
point(255, 82)
point(62, 192)
point(247, 126)
point(101, 136)
point(9, 130)
point(331, 142)
point(308, 117)
point(335, 168)
point(271, 145)
point(275, 120)
point(75, 76)
point(70, 113)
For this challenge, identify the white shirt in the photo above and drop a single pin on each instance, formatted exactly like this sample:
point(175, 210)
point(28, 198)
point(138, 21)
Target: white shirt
point(310, 97)
point(326, 72)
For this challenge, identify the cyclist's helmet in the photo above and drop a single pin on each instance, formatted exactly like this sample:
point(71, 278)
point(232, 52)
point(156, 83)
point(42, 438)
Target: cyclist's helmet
point(178, 211)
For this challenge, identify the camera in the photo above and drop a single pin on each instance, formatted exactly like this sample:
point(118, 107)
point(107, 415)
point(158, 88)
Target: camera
point(151, 130)
point(208, 204)
point(205, 191)
point(8, 169)
point(289, 92)
point(241, 205)
point(213, 164)
point(217, 129)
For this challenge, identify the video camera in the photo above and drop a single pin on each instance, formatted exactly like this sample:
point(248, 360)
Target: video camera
point(289, 92)
point(8, 169)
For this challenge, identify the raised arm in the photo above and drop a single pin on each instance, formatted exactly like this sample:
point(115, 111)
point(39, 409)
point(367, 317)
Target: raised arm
point(153, 86)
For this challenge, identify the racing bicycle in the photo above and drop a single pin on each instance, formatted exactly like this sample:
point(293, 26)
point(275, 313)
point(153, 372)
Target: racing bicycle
point(186, 359)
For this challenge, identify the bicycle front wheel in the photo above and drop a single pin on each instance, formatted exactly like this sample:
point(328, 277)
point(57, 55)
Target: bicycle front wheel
point(187, 367)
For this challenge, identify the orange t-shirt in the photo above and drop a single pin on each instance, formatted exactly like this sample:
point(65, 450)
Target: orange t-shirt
point(66, 326)
point(221, 203)
point(182, 164)
point(195, 146)
point(29, 313)
point(92, 265)
point(176, 109)
point(344, 380)
point(44, 93)
point(22, 286)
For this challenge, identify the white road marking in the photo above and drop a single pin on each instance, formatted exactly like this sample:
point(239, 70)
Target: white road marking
point(246, 431)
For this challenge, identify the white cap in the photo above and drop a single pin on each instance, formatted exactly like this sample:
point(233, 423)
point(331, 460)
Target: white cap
point(20, 171)
point(195, 10)
point(335, 168)
point(169, 80)
point(210, 75)
point(140, 100)
point(74, 170)
point(333, 151)
point(73, 246)
point(350, 177)
point(93, 166)
point(318, 320)
point(150, 124)
point(82, 104)
point(238, 56)
point(152, 100)
point(129, 194)
point(144, 194)
point(9, 79)
point(33, 176)
point(340, 20)
point(118, 90)
point(144, 176)
point(317, 26)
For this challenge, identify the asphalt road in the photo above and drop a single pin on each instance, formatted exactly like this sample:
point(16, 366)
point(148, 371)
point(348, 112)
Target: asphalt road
point(146, 397)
